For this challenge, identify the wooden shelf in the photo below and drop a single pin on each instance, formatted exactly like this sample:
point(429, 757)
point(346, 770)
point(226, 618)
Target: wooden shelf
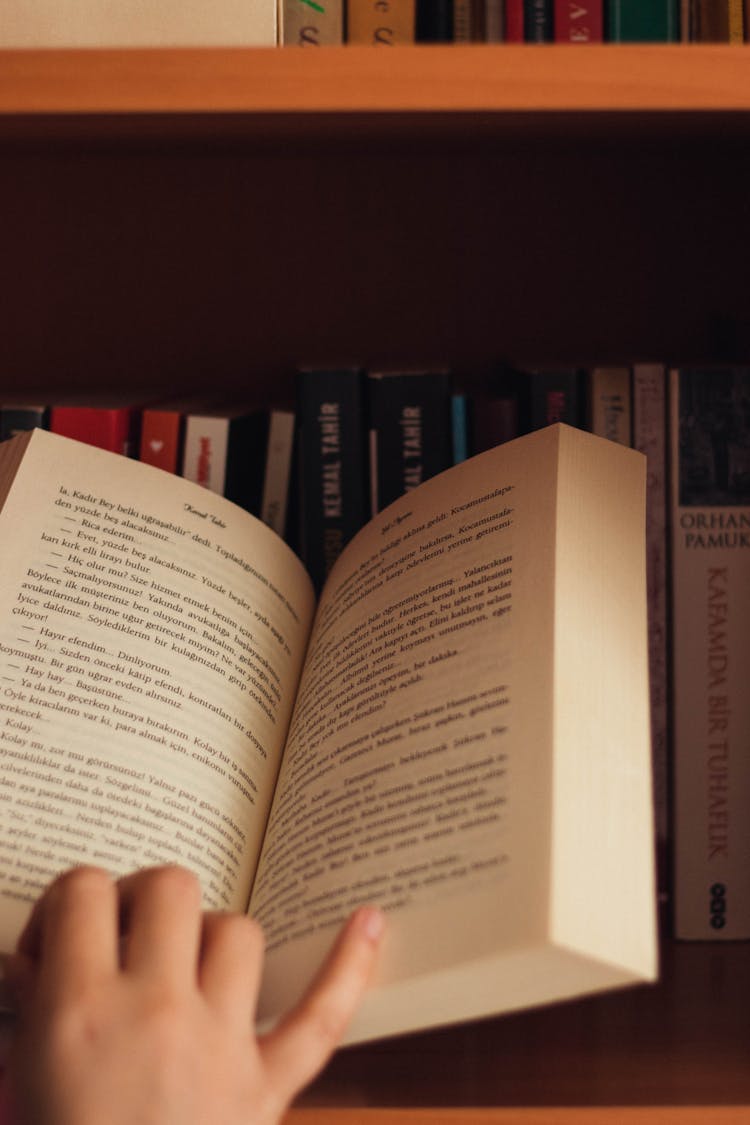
point(682, 1042)
point(361, 79)
point(561, 1115)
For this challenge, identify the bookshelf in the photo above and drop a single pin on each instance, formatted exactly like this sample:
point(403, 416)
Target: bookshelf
point(174, 221)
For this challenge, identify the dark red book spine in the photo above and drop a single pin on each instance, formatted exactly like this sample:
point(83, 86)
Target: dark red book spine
point(514, 32)
point(105, 428)
point(579, 21)
point(162, 432)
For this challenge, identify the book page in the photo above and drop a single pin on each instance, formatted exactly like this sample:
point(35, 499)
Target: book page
point(407, 779)
point(151, 638)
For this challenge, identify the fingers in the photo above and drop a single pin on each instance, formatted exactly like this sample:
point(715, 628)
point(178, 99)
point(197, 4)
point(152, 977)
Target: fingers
point(296, 1050)
point(161, 918)
point(231, 960)
point(72, 931)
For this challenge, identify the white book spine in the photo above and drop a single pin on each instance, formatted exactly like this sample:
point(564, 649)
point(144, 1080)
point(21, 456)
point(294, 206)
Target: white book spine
point(137, 23)
point(206, 449)
point(610, 403)
point(278, 469)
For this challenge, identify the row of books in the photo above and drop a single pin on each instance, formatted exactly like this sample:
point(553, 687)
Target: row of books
point(93, 23)
point(361, 440)
point(600, 21)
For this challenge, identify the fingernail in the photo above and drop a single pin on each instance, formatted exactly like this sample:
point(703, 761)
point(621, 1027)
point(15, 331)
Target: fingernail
point(372, 923)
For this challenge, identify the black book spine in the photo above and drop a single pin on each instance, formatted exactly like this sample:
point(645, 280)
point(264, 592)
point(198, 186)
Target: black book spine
point(538, 21)
point(17, 419)
point(556, 396)
point(410, 432)
point(246, 458)
point(332, 466)
point(434, 21)
point(546, 397)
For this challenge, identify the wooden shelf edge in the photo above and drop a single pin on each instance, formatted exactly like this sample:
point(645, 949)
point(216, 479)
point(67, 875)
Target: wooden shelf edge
point(364, 79)
point(545, 1115)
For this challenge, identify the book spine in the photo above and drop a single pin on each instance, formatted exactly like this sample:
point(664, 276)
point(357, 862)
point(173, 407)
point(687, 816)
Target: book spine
point(643, 21)
point(226, 454)
point(649, 438)
point(277, 473)
point(685, 20)
point(465, 29)
point(246, 460)
point(18, 419)
point(539, 21)
point(162, 433)
point(736, 21)
point(332, 465)
point(204, 460)
point(374, 23)
point(710, 449)
point(410, 432)
point(579, 21)
point(311, 23)
point(112, 429)
point(434, 21)
point(493, 21)
point(126, 24)
point(460, 428)
point(710, 21)
point(547, 397)
point(610, 403)
point(495, 416)
point(514, 21)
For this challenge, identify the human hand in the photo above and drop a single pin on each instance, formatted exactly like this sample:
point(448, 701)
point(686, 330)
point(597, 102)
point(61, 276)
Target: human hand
point(136, 1008)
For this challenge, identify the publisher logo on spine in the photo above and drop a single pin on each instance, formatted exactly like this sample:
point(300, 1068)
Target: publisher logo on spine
point(718, 906)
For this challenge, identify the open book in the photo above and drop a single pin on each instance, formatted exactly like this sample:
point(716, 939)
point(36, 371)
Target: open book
point(458, 731)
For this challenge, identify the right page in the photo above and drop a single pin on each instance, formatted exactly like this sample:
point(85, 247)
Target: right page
point(470, 744)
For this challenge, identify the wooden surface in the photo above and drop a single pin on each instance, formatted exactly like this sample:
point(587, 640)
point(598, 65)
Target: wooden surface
point(504, 78)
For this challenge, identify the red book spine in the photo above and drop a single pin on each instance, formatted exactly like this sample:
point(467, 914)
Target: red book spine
point(514, 21)
point(161, 439)
point(105, 428)
point(579, 21)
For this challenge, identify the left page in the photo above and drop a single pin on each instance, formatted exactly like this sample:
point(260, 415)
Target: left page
point(151, 640)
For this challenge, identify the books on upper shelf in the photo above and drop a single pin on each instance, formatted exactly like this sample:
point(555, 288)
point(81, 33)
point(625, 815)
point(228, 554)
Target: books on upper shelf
point(538, 21)
point(710, 508)
point(304, 23)
point(376, 23)
point(491, 20)
point(434, 21)
point(132, 23)
point(715, 21)
point(579, 21)
point(642, 21)
point(458, 730)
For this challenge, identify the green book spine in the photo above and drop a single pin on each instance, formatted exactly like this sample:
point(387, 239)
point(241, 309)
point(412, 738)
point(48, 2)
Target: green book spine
point(643, 21)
